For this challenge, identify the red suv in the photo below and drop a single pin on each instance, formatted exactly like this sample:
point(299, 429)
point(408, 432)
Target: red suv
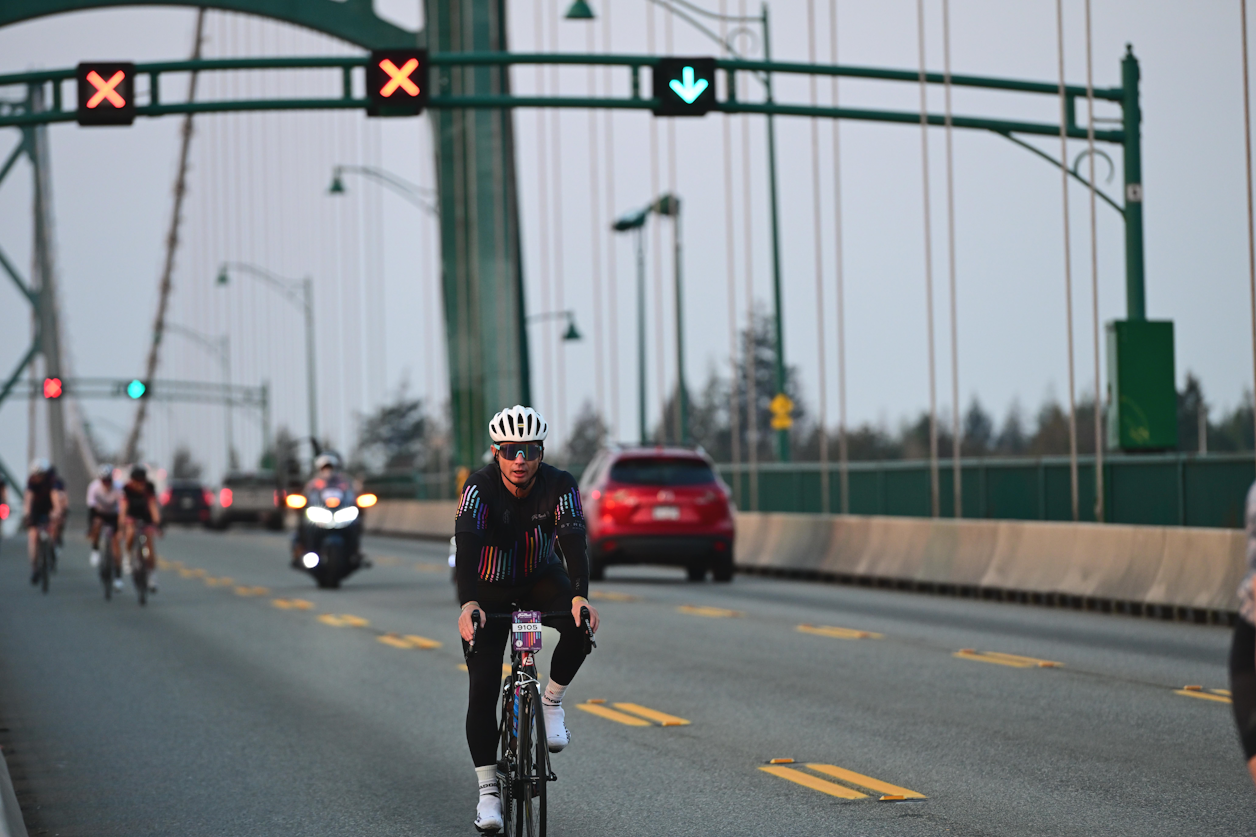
point(658, 506)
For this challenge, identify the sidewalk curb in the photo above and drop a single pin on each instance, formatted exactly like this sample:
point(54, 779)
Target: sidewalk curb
point(11, 824)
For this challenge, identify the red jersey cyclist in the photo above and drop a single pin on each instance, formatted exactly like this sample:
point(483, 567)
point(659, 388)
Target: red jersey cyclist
point(512, 514)
point(138, 508)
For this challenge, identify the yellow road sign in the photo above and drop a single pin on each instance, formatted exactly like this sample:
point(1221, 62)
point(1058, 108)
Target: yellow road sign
point(782, 405)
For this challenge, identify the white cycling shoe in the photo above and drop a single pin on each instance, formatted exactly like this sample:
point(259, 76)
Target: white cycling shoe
point(556, 734)
point(488, 814)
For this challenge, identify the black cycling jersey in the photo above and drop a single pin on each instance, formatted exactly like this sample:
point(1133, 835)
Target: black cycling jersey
point(41, 488)
point(506, 540)
point(135, 501)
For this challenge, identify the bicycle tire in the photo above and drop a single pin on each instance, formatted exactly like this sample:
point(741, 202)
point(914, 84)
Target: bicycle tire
point(139, 569)
point(533, 763)
point(106, 562)
point(43, 564)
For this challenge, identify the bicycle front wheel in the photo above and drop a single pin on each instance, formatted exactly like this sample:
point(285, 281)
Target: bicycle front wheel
point(533, 766)
point(44, 548)
point(139, 569)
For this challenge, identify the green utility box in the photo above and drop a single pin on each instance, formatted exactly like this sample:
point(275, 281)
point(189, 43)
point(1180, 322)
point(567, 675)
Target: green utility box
point(1142, 398)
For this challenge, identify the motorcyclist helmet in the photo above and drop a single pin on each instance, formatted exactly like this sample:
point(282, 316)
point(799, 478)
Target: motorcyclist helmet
point(139, 472)
point(327, 460)
point(518, 424)
point(106, 472)
point(40, 466)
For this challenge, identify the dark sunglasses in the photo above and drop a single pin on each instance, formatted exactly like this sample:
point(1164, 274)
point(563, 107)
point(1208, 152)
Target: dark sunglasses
point(531, 451)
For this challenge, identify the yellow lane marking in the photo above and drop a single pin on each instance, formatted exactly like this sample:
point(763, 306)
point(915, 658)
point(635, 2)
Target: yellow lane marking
point(197, 573)
point(712, 612)
point(838, 633)
point(219, 582)
point(795, 775)
point(387, 561)
point(612, 715)
point(178, 565)
point(505, 667)
point(252, 591)
point(661, 718)
point(865, 781)
point(292, 604)
point(185, 573)
point(343, 620)
point(612, 596)
point(1014, 660)
point(1213, 695)
point(408, 641)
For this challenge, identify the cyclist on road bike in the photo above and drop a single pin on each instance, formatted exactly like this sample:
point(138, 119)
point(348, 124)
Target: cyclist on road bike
point(103, 498)
point(61, 508)
point(511, 514)
point(41, 506)
point(139, 509)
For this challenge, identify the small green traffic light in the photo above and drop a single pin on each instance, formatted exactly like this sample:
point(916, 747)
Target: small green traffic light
point(136, 389)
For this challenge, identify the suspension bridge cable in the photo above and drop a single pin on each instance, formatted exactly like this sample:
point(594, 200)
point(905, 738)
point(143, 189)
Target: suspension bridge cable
point(668, 26)
point(934, 499)
point(734, 413)
point(957, 432)
point(1068, 264)
point(1094, 268)
point(656, 236)
point(595, 226)
point(1247, 147)
point(542, 143)
point(612, 291)
point(752, 353)
point(563, 424)
point(842, 447)
point(822, 430)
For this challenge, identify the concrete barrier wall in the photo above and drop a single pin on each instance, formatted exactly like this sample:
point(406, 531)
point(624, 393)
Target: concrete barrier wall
point(1170, 566)
point(1153, 565)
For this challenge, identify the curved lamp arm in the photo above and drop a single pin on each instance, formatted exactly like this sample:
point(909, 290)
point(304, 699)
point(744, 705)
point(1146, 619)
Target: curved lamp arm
point(417, 195)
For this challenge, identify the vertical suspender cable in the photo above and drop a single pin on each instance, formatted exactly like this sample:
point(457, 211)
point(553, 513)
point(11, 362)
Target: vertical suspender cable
point(1068, 265)
point(934, 499)
point(1094, 268)
point(677, 426)
point(595, 226)
point(957, 432)
point(842, 448)
point(1247, 140)
point(542, 177)
point(657, 245)
point(612, 292)
point(734, 414)
point(822, 437)
point(563, 429)
point(751, 350)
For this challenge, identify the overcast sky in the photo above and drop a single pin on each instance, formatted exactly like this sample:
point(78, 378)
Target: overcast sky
point(258, 195)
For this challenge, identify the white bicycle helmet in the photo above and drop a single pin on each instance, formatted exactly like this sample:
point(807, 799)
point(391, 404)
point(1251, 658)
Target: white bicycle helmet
point(40, 466)
point(518, 424)
point(327, 460)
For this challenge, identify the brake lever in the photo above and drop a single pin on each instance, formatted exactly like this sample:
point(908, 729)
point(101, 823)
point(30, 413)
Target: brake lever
point(468, 648)
point(588, 629)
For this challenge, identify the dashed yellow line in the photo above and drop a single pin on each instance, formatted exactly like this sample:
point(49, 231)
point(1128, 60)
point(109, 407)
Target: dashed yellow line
point(611, 715)
point(865, 781)
point(1215, 695)
point(837, 633)
point(431, 568)
point(252, 591)
point(343, 620)
point(661, 718)
point(408, 641)
point(888, 792)
point(219, 582)
point(505, 668)
point(292, 604)
point(612, 596)
point(792, 774)
point(1013, 660)
point(386, 561)
point(710, 612)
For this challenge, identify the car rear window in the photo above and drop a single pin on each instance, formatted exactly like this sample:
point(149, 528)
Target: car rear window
point(662, 472)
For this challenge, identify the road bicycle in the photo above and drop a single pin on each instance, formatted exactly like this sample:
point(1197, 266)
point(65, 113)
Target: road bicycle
point(141, 560)
point(45, 556)
point(109, 569)
point(523, 771)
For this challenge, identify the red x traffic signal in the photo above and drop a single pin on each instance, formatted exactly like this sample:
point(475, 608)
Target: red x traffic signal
point(396, 82)
point(52, 388)
point(106, 94)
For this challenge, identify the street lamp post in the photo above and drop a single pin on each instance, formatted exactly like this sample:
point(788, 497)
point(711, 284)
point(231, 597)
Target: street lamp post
point(669, 205)
point(221, 347)
point(572, 334)
point(420, 196)
point(300, 293)
point(635, 223)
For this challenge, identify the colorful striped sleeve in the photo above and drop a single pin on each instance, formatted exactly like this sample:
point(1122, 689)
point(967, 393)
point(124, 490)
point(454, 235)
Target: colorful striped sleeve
point(472, 511)
point(569, 513)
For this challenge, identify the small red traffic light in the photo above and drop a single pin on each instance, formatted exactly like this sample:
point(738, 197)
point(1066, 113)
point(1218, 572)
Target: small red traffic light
point(396, 82)
point(106, 94)
point(52, 388)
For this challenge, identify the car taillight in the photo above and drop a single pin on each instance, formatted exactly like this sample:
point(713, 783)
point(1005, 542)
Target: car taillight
point(4, 511)
point(224, 498)
point(208, 496)
point(165, 497)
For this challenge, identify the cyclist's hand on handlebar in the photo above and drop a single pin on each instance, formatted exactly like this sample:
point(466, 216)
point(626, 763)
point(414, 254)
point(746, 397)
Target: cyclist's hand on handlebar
point(464, 620)
point(581, 602)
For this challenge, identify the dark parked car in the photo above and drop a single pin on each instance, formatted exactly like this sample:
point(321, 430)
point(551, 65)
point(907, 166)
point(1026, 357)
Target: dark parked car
point(658, 506)
point(185, 501)
point(248, 498)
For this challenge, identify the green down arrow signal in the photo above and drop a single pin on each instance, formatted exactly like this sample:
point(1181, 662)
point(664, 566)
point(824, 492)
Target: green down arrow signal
point(688, 89)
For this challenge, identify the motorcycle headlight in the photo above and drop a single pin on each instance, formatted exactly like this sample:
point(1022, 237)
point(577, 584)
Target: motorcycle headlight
point(345, 516)
point(319, 516)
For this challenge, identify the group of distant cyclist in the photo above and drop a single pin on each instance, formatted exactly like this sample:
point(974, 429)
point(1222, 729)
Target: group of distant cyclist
point(124, 508)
